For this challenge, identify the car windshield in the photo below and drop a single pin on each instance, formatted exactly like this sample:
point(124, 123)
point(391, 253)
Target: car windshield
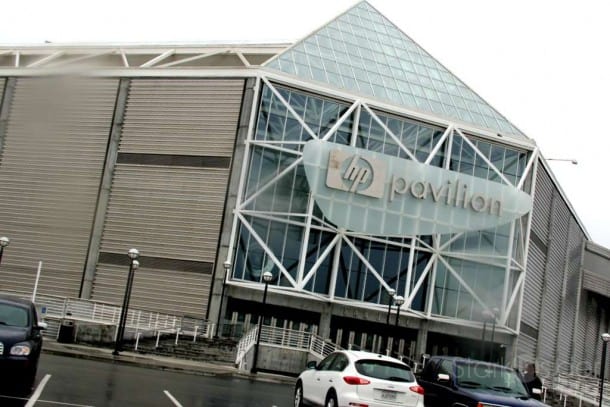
point(487, 377)
point(11, 315)
point(385, 370)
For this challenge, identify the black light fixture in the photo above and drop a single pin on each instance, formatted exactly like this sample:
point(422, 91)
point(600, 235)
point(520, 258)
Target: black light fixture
point(4, 241)
point(133, 266)
point(602, 368)
point(267, 277)
point(227, 267)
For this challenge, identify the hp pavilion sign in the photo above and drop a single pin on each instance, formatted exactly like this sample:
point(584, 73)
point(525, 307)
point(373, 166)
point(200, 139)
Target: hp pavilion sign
point(354, 173)
point(368, 192)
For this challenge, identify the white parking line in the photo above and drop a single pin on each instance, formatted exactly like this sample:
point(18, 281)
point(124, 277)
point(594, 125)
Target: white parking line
point(176, 403)
point(38, 391)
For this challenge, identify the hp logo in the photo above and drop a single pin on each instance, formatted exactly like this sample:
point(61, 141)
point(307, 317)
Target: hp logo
point(354, 173)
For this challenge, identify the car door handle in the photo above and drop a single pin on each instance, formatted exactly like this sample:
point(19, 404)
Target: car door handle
point(317, 378)
point(330, 380)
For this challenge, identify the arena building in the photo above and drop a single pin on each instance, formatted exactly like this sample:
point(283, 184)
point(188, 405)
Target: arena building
point(392, 205)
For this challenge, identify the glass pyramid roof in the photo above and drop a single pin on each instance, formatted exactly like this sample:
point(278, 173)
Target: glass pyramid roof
point(363, 51)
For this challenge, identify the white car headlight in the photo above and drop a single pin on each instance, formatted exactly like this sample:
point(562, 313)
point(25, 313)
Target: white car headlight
point(21, 349)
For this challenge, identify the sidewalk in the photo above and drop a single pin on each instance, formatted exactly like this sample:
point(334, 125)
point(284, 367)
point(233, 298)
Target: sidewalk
point(157, 362)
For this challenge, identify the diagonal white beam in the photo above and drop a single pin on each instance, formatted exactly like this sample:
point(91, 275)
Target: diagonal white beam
point(439, 144)
point(242, 58)
point(267, 250)
point(489, 163)
point(517, 289)
point(124, 58)
point(318, 262)
point(158, 58)
point(271, 182)
point(424, 244)
point(339, 122)
point(193, 58)
point(529, 166)
point(478, 258)
point(274, 147)
point(46, 59)
point(366, 263)
point(82, 58)
point(462, 282)
point(392, 135)
point(290, 109)
point(451, 240)
point(420, 282)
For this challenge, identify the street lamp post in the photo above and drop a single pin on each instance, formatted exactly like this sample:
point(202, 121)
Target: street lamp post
point(391, 293)
point(495, 312)
point(267, 277)
point(602, 368)
point(483, 339)
point(4, 241)
point(570, 160)
point(487, 316)
point(227, 266)
point(133, 266)
point(398, 300)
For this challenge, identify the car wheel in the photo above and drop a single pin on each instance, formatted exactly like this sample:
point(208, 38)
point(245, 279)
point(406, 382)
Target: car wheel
point(331, 400)
point(298, 395)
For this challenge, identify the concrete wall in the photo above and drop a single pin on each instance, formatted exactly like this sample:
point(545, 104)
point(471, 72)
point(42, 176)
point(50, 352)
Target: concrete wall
point(287, 361)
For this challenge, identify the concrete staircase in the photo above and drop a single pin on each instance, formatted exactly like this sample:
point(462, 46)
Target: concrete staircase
point(218, 350)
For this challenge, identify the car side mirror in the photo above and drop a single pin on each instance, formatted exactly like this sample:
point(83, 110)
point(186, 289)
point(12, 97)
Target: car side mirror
point(312, 364)
point(537, 391)
point(42, 325)
point(443, 377)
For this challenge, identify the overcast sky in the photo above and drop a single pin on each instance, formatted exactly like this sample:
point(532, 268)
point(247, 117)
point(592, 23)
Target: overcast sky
point(543, 64)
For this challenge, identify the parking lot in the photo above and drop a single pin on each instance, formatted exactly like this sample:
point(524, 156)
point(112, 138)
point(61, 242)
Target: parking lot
point(69, 381)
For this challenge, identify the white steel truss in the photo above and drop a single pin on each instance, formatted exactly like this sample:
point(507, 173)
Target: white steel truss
point(53, 56)
point(439, 250)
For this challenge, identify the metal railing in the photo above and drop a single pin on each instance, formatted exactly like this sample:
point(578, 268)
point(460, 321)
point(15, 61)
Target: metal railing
point(585, 388)
point(243, 346)
point(141, 321)
point(284, 338)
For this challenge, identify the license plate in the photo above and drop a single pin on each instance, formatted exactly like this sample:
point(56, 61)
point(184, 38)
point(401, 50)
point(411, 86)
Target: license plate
point(387, 395)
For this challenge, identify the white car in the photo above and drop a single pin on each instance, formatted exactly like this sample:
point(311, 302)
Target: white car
point(358, 379)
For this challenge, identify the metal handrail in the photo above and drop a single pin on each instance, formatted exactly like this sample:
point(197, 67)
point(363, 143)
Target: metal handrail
point(78, 309)
point(284, 338)
point(585, 388)
point(244, 345)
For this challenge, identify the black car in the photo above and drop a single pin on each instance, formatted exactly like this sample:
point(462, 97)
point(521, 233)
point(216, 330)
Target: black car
point(459, 382)
point(20, 343)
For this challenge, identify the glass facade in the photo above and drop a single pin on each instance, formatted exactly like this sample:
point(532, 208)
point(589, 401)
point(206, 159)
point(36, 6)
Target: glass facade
point(362, 51)
point(281, 229)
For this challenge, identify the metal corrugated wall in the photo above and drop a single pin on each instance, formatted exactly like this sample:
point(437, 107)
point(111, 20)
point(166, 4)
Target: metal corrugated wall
point(168, 192)
point(543, 196)
point(526, 350)
point(553, 278)
point(54, 148)
point(532, 298)
point(552, 281)
point(569, 299)
point(589, 331)
point(2, 83)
